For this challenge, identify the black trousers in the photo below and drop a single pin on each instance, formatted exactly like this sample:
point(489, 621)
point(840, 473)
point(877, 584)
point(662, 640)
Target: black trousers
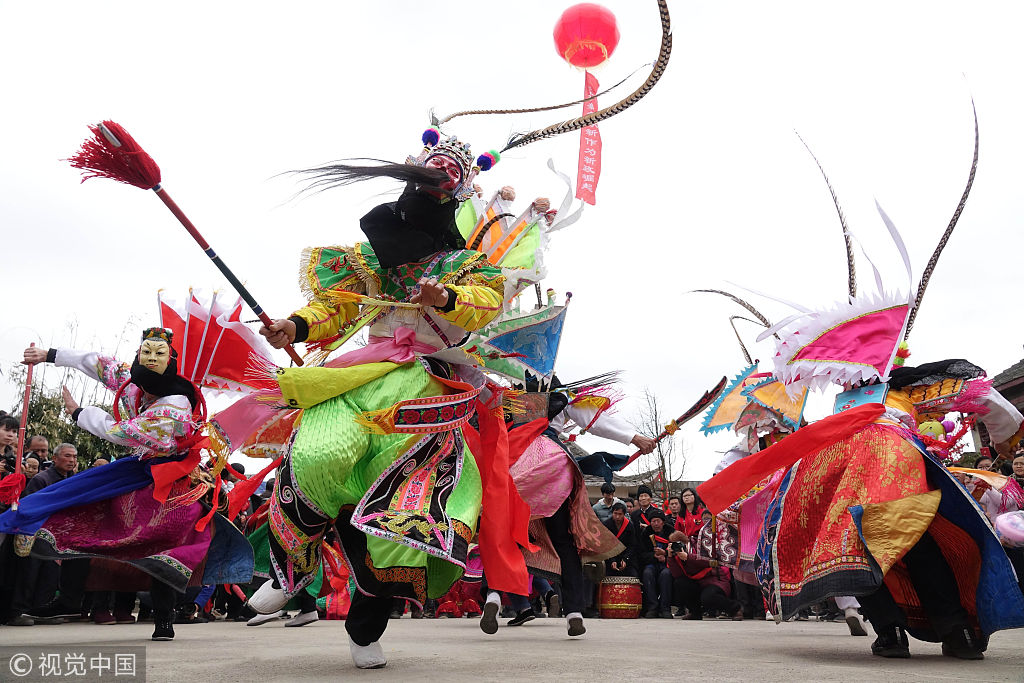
point(307, 603)
point(163, 598)
point(573, 597)
point(936, 588)
point(750, 597)
point(688, 593)
point(35, 582)
point(367, 618)
point(104, 601)
point(73, 575)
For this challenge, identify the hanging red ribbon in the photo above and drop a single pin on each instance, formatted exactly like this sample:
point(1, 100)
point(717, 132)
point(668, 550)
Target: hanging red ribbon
point(589, 171)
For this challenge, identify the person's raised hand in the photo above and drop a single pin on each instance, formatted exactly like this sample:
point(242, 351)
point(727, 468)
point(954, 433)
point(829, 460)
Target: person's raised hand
point(70, 404)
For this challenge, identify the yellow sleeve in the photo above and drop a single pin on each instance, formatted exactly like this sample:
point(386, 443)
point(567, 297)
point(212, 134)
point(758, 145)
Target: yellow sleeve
point(475, 306)
point(325, 320)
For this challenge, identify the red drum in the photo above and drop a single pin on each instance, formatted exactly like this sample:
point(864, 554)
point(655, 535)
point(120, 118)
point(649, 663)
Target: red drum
point(620, 597)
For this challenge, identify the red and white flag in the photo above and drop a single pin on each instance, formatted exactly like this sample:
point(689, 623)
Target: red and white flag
point(214, 347)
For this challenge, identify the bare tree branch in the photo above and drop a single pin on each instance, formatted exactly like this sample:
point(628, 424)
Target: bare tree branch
point(665, 459)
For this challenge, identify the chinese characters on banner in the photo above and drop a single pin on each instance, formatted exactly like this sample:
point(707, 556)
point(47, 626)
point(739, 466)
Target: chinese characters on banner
point(590, 148)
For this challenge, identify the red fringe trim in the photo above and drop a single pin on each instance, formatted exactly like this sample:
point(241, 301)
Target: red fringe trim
point(10, 488)
point(261, 372)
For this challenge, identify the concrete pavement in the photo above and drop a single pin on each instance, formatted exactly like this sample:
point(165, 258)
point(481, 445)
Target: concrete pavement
point(456, 650)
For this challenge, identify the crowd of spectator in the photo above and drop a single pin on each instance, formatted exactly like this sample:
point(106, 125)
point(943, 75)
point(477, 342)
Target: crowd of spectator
point(657, 550)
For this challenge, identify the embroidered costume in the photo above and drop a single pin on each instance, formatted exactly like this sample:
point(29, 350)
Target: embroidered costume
point(864, 507)
point(141, 517)
point(564, 527)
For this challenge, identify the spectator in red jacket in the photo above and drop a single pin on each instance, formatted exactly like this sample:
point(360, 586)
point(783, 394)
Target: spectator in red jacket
point(689, 518)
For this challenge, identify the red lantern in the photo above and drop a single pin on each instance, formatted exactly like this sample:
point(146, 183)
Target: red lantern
point(586, 35)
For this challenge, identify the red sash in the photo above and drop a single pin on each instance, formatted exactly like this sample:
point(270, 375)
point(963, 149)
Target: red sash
point(625, 523)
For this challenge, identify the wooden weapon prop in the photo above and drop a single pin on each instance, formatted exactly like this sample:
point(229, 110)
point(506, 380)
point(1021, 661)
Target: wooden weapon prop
point(707, 399)
point(113, 153)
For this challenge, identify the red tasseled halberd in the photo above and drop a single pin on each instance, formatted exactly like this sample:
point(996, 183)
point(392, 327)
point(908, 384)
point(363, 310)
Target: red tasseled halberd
point(127, 163)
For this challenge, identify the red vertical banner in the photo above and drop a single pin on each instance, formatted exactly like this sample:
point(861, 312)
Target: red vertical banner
point(590, 148)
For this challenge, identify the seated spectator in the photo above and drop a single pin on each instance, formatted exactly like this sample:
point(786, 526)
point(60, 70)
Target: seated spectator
point(689, 520)
point(655, 576)
point(603, 507)
point(623, 564)
point(698, 586)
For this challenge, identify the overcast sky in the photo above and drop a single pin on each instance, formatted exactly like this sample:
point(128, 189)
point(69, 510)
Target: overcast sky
point(704, 181)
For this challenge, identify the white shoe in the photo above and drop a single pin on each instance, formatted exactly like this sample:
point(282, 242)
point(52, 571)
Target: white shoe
point(264, 618)
point(267, 599)
point(854, 623)
point(303, 618)
point(489, 619)
point(574, 622)
point(368, 657)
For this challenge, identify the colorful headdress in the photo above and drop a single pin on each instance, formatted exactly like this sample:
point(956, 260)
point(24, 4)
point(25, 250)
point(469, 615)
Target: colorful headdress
point(452, 148)
point(435, 142)
point(158, 334)
point(753, 399)
point(856, 341)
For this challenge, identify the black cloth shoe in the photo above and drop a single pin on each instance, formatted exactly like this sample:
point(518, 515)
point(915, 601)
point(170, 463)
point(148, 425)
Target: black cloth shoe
point(54, 608)
point(892, 643)
point(665, 614)
point(962, 644)
point(651, 613)
point(523, 617)
point(164, 623)
point(590, 613)
point(551, 606)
